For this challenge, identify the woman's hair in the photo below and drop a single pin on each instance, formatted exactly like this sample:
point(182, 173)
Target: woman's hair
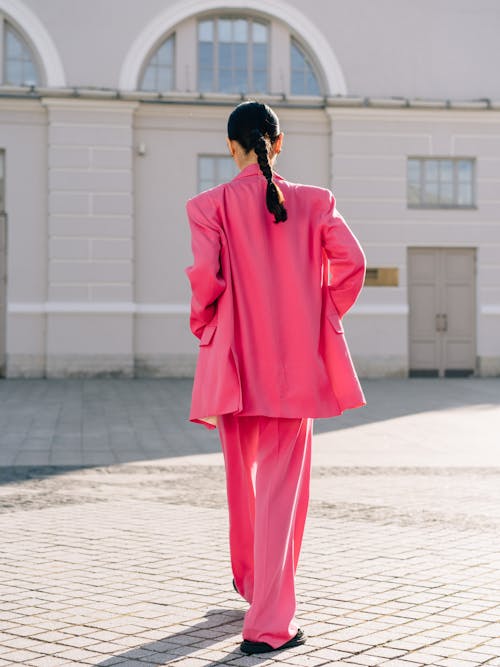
point(255, 126)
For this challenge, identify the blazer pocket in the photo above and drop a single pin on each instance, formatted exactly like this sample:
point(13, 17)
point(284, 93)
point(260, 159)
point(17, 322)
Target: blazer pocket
point(207, 335)
point(335, 321)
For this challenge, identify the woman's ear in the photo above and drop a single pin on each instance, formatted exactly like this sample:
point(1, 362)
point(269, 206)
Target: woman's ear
point(278, 144)
point(230, 144)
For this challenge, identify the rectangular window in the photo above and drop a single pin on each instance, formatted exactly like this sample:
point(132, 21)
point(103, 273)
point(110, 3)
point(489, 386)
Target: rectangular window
point(214, 170)
point(440, 182)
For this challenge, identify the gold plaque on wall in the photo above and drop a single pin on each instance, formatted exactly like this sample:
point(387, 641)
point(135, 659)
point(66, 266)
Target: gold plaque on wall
point(382, 277)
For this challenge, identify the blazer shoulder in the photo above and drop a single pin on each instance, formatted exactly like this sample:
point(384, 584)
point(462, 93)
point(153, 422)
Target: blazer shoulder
point(204, 207)
point(312, 191)
point(212, 194)
point(319, 199)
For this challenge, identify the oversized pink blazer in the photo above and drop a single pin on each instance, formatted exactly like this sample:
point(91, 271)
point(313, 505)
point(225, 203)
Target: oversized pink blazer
point(268, 319)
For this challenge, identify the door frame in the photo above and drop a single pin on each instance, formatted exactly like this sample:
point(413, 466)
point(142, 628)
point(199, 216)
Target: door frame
point(3, 268)
point(442, 372)
point(3, 294)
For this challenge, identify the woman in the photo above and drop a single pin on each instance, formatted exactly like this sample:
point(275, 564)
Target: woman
point(275, 269)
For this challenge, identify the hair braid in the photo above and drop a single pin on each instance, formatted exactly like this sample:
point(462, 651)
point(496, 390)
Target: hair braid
point(274, 196)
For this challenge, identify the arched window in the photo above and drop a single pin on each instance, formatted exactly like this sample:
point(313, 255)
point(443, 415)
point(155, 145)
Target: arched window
point(303, 79)
point(232, 55)
point(159, 71)
point(229, 50)
point(19, 68)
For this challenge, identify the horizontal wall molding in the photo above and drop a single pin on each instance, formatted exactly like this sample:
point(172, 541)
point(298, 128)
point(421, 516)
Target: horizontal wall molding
point(131, 308)
point(85, 308)
point(490, 309)
point(380, 309)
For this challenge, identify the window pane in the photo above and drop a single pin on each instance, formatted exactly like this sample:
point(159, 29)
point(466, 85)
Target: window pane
point(206, 31)
point(464, 194)
point(312, 85)
point(260, 56)
point(452, 187)
point(14, 48)
point(446, 171)
point(431, 193)
point(414, 171)
point(227, 169)
point(214, 170)
point(240, 52)
point(225, 81)
point(206, 55)
point(465, 170)
point(15, 72)
point(149, 80)
point(260, 82)
point(225, 55)
point(431, 170)
point(240, 83)
point(159, 73)
point(164, 79)
point(446, 194)
point(206, 80)
point(205, 168)
point(413, 194)
point(19, 66)
point(241, 31)
point(224, 30)
point(165, 53)
point(238, 56)
point(296, 56)
point(303, 80)
point(259, 33)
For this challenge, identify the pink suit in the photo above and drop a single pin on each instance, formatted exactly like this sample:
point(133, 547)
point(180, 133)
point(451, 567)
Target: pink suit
point(272, 357)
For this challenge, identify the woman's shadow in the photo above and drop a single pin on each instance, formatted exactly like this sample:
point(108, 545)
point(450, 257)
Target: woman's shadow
point(219, 625)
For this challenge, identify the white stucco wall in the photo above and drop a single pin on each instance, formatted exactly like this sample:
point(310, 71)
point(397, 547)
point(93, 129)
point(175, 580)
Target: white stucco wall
point(396, 47)
point(98, 239)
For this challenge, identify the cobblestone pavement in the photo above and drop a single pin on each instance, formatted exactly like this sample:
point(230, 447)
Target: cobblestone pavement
point(114, 530)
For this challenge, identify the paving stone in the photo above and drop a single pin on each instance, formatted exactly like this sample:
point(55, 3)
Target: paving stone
point(115, 546)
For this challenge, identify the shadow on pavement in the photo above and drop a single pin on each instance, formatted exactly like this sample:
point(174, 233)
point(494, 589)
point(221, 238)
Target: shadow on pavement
point(51, 426)
point(219, 625)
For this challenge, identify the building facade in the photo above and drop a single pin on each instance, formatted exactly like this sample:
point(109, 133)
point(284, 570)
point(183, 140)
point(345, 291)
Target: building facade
point(113, 114)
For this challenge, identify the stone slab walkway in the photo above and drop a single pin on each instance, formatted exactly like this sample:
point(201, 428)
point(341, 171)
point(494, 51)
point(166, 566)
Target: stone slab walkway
point(114, 530)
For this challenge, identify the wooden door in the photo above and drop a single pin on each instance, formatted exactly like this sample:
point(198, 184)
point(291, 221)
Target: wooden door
point(442, 311)
point(3, 266)
point(3, 290)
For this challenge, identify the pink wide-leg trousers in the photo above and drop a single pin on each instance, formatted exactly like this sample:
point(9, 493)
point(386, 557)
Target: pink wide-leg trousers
point(268, 469)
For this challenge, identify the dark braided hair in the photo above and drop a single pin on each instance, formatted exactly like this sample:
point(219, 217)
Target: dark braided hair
point(255, 126)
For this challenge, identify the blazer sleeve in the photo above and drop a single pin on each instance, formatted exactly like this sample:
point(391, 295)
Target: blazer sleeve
point(205, 274)
point(347, 259)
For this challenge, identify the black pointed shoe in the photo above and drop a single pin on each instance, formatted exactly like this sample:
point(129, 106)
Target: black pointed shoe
point(250, 647)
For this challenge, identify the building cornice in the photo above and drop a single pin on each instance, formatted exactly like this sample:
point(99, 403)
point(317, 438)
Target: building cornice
point(59, 96)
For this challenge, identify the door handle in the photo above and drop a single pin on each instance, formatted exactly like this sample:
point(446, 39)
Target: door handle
point(441, 322)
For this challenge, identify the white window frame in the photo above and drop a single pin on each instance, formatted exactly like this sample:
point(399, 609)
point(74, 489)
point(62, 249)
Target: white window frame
point(250, 19)
point(217, 180)
point(424, 160)
point(4, 22)
point(173, 37)
point(280, 32)
point(294, 42)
